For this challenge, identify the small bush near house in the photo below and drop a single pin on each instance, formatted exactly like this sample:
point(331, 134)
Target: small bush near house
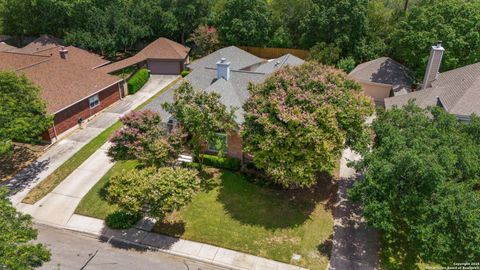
point(138, 81)
point(228, 163)
point(119, 220)
point(185, 73)
point(346, 64)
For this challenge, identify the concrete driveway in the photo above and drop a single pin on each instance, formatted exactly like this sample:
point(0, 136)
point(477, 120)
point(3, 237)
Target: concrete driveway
point(66, 147)
point(355, 245)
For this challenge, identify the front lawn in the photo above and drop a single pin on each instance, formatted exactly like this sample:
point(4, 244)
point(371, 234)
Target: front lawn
point(240, 215)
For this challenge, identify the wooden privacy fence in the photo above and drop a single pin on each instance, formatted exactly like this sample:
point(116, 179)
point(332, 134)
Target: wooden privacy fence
point(270, 53)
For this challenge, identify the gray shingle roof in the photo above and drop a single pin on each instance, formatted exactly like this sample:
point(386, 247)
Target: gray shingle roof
point(457, 90)
point(383, 70)
point(234, 92)
point(239, 58)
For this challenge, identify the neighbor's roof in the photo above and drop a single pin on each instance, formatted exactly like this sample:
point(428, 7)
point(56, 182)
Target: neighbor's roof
point(42, 43)
point(162, 48)
point(457, 91)
point(383, 70)
point(5, 47)
point(76, 55)
point(238, 58)
point(62, 82)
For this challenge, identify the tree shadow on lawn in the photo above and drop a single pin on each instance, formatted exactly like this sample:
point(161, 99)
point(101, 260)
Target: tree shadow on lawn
point(274, 208)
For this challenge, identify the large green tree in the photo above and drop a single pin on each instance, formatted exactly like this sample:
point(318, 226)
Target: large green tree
point(300, 119)
point(420, 187)
point(16, 250)
point(455, 22)
point(201, 116)
point(22, 112)
point(245, 22)
point(342, 23)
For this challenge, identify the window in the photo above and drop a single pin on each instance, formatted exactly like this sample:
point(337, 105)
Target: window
point(94, 101)
point(220, 143)
point(171, 124)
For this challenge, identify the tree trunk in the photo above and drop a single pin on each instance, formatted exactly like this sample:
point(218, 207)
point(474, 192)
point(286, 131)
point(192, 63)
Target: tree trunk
point(405, 8)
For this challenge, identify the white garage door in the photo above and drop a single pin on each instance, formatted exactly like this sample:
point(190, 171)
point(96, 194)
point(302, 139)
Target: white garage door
point(164, 67)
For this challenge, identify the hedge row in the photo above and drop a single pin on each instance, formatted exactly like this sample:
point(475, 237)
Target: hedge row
point(138, 81)
point(228, 163)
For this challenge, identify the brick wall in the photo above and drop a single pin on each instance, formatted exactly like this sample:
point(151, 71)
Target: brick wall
point(234, 145)
point(68, 118)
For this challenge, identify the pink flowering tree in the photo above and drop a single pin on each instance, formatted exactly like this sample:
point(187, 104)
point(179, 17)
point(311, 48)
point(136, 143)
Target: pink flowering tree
point(300, 119)
point(205, 39)
point(143, 138)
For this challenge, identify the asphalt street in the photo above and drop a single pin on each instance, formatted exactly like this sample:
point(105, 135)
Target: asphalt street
point(71, 250)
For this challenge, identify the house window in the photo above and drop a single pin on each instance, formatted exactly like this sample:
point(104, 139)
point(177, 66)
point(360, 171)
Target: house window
point(220, 144)
point(94, 101)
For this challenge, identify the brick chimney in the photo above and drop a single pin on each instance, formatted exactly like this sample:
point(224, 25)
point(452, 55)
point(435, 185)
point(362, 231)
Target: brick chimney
point(433, 66)
point(223, 69)
point(63, 53)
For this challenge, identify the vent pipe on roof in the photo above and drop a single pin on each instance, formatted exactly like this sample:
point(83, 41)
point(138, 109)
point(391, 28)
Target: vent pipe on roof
point(63, 53)
point(223, 69)
point(433, 66)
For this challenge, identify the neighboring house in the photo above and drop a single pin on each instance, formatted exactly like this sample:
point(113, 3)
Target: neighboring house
point(457, 91)
point(382, 78)
point(163, 56)
point(228, 72)
point(72, 89)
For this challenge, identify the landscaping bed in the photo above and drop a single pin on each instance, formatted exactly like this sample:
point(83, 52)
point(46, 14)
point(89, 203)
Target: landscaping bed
point(237, 214)
point(20, 156)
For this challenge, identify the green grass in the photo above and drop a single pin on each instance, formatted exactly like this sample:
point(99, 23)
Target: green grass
point(94, 204)
point(240, 215)
point(54, 179)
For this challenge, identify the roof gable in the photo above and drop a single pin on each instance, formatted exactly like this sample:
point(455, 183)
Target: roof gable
point(383, 70)
point(239, 59)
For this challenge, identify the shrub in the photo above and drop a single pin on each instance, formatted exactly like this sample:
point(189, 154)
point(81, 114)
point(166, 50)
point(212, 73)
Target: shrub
point(185, 73)
point(121, 220)
point(228, 163)
point(346, 64)
point(138, 81)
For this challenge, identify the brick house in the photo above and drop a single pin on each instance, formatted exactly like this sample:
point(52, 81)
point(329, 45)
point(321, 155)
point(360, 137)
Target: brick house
point(71, 87)
point(228, 72)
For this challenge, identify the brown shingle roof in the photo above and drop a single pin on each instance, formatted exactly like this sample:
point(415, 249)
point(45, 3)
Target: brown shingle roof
point(64, 84)
point(5, 47)
point(77, 56)
point(162, 48)
point(13, 61)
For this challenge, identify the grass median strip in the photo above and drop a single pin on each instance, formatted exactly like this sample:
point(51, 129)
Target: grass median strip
point(62, 172)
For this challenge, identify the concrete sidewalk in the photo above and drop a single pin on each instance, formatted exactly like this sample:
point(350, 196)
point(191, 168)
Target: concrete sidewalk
point(141, 237)
point(355, 244)
point(61, 151)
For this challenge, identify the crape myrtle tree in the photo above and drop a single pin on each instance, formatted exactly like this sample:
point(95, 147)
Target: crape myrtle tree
point(153, 192)
point(201, 116)
point(205, 39)
point(16, 250)
point(300, 119)
point(22, 112)
point(421, 187)
point(144, 139)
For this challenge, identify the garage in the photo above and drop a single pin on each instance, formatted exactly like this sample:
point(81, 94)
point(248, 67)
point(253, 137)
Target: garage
point(164, 67)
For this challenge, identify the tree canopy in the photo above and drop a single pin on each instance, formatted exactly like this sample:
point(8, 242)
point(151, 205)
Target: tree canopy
point(22, 112)
point(16, 250)
point(201, 115)
point(420, 187)
point(300, 119)
point(245, 22)
point(455, 22)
